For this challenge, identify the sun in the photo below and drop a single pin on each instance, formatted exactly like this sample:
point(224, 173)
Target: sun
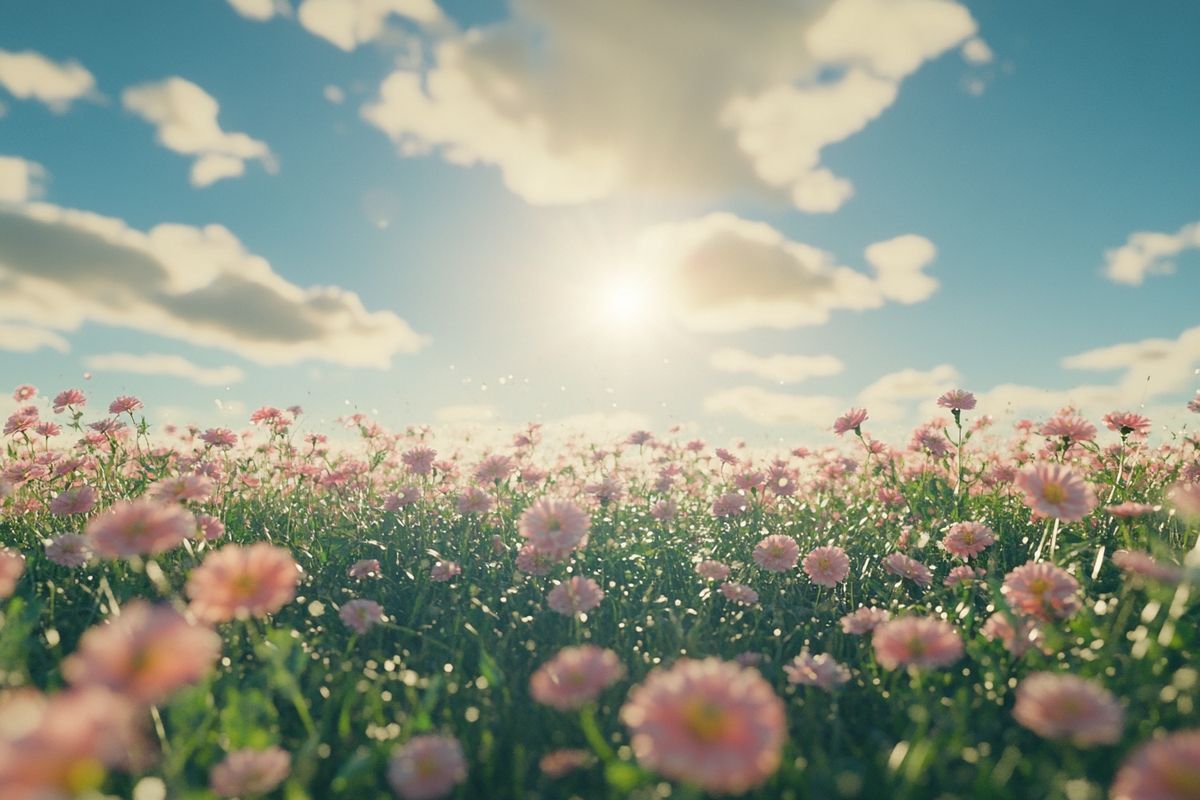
point(624, 302)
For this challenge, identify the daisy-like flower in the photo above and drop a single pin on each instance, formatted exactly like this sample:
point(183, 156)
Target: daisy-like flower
point(1164, 769)
point(532, 561)
point(963, 574)
point(76, 500)
point(739, 593)
point(555, 527)
point(709, 723)
point(575, 677)
point(24, 392)
point(1041, 590)
point(827, 566)
point(68, 550)
point(558, 763)
point(361, 615)
point(1063, 706)
point(140, 527)
point(241, 582)
point(494, 469)
point(957, 400)
point(1144, 565)
point(1185, 497)
point(864, 620)
point(427, 767)
point(576, 595)
point(71, 398)
point(1071, 428)
point(777, 553)
point(443, 571)
point(1130, 509)
point(419, 460)
point(220, 438)
point(1017, 640)
point(249, 772)
point(12, 567)
point(821, 671)
point(905, 567)
point(852, 420)
point(712, 570)
point(916, 642)
point(124, 405)
point(730, 504)
point(1055, 491)
point(210, 528)
point(1127, 423)
point(475, 501)
point(181, 488)
point(967, 539)
point(365, 568)
point(664, 510)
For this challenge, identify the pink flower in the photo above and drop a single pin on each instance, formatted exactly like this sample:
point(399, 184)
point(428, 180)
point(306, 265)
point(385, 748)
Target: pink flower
point(249, 772)
point(475, 501)
point(532, 561)
point(1064, 706)
point(777, 553)
point(575, 677)
point(240, 582)
point(852, 420)
point(139, 527)
point(1134, 562)
point(821, 671)
point(712, 570)
point(124, 405)
point(957, 400)
point(181, 488)
point(917, 642)
point(1053, 490)
point(1164, 769)
point(729, 504)
point(555, 527)
point(664, 510)
point(404, 496)
point(967, 539)
point(76, 500)
point(221, 438)
point(1071, 428)
point(1185, 497)
point(1126, 423)
point(443, 571)
point(1016, 640)
point(365, 568)
point(1041, 590)
point(1130, 509)
point(827, 566)
point(905, 567)
point(494, 469)
point(963, 574)
point(427, 767)
point(24, 392)
point(419, 460)
point(360, 615)
point(864, 620)
point(739, 593)
point(576, 595)
point(12, 567)
point(210, 527)
point(69, 550)
point(558, 763)
point(709, 723)
point(71, 398)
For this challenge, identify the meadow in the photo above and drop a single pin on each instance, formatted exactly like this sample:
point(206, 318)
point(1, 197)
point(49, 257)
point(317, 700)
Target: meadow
point(983, 611)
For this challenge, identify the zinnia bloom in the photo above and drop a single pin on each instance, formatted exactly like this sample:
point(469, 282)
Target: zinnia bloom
point(827, 566)
point(1165, 769)
point(709, 723)
point(427, 767)
point(68, 550)
point(140, 527)
point(821, 671)
point(1126, 423)
point(12, 567)
point(1053, 490)
point(777, 553)
point(963, 574)
point(365, 568)
point(124, 405)
point(76, 500)
point(905, 567)
point(249, 772)
point(967, 539)
point(1134, 562)
point(852, 420)
point(739, 593)
point(360, 615)
point(575, 677)
point(555, 527)
point(240, 582)
point(443, 571)
point(532, 561)
point(917, 642)
point(1063, 706)
point(575, 595)
point(864, 620)
point(957, 400)
point(712, 570)
point(1041, 590)
point(475, 501)
point(71, 398)
point(729, 504)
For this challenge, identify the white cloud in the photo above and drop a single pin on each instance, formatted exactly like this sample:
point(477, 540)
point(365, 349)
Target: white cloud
point(780, 367)
point(60, 268)
point(575, 100)
point(185, 118)
point(25, 339)
point(976, 51)
point(472, 412)
point(260, 10)
point(20, 180)
point(334, 94)
point(349, 23)
point(1148, 253)
point(775, 408)
point(31, 76)
point(891, 397)
point(159, 364)
point(724, 273)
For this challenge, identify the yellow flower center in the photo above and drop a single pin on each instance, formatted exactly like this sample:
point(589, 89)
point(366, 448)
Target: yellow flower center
point(84, 775)
point(1054, 493)
point(704, 720)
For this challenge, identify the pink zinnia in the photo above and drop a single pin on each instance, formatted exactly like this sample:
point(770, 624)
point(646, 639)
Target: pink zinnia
point(1016, 640)
point(76, 500)
point(1164, 769)
point(532, 561)
point(827, 566)
point(1135, 562)
point(12, 567)
point(1071, 428)
point(1054, 490)
point(24, 392)
point(967, 539)
point(419, 460)
point(240, 582)
point(821, 671)
point(576, 595)
point(664, 510)
point(729, 504)
point(360, 615)
point(916, 642)
point(1041, 590)
point(250, 772)
point(575, 677)
point(71, 398)
point(852, 420)
point(555, 527)
point(124, 405)
point(210, 527)
point(739, 593)
point(712, 570)
point(957, 400)
point(475, 501)
point(1185, 497)
point(443, 571)
point(963, 574)
point(494, 469)
point(365, 568)
point(777, 553)
point(1126, 423)
point(709, 723)
point(864, 620)
point(1064, 706)
point(68, 550)
point(181, 488)
point(905, 567)
point(1130, 509)
point(140, 527)
point(427, 767)
point(221, 438)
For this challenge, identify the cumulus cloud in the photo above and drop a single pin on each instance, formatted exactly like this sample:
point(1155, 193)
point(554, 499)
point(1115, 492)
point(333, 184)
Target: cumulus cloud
point(977, 51)
point(185, 119)
point(468, 412)
point(174, 366)
point(260, 10)
point(61, 268)
point(349, 23)
point(724, 273)
point(26, 339)
point(574, 100)
point(1149, 253)
point(892, 397)
point(780, 367)
point(775, 408)
point(31, 76)
point(20, 180)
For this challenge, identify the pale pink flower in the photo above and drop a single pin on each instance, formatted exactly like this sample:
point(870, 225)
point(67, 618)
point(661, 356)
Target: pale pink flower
point(250, 772)
point(726, 457)
point(365, 568)
point(917, 642)
point(664, 510)
point(748, 658)
point(827, 566)
point(427, 767)
point(777, 553)
point(140, 527)
point(1064, 706)
point(443, 571)
point(404, 496)
point(821, 671)
point(24, 392)
point(555, 527)
point(739, 593)
point(124, 405)
point(419, 460)
point(68, 550)
point(967, 539)
point(608, 490)
point(221, 438)
point(47, 429)
point(494, 469)
point(76, 500)
point(210, 528)
point(729, 504)
point(852, 420)
point(906, 567)
point(1126, 423)
point(12, 567)
point(360, 615)
point(71, 398)
point(957, 400)
point(475, 501)
point(864, 620)
point(1016, 640)
point(1163, 769)
point(575, 677)
point(1194, 404)
point(576, 595)
point(240, 582)
point(1071, 428)
point(1185, 497)
point(532, 561)
point(963, 574)
point(1130, 509)
point(712, 570)
point(181, 488)
point(1041, 590)
point(558, 763)
point(709, 723)
point(1135, 562)
point(1054, 490)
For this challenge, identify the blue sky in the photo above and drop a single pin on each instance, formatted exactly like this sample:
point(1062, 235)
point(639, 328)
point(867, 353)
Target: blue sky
point(1026, 144)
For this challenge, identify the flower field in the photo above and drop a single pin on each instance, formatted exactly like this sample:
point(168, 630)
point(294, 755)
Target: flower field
point(975, 613)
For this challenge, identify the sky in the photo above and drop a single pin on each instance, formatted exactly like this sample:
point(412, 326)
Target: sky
point(743, 218)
